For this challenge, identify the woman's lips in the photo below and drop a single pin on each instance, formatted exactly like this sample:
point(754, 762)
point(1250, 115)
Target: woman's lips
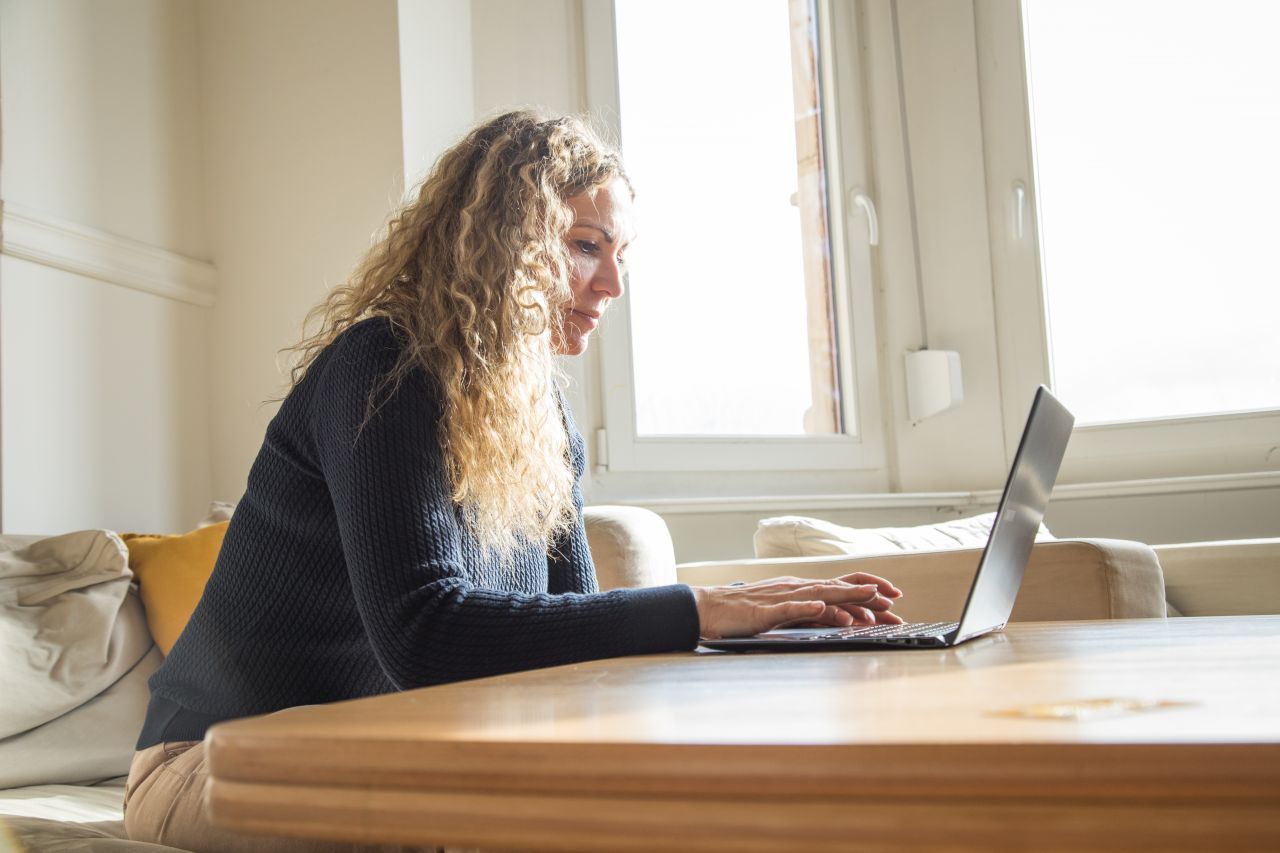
point(589, 321)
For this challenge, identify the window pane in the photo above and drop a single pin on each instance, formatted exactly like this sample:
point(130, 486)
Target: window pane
point(1156, 126)
point(729, 284)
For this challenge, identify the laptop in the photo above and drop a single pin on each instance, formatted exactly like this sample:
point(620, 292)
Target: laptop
point(999, 575)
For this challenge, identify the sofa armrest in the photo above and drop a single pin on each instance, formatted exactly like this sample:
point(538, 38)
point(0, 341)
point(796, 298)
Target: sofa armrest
point(1065, 579)
point(630, 546)
point(1235, 578)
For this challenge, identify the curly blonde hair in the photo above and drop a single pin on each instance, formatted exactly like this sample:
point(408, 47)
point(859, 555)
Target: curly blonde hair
point(474, 276)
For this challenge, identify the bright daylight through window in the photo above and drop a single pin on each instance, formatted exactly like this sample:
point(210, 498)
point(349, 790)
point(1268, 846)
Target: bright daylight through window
point(1155, 127)
point(731, 316)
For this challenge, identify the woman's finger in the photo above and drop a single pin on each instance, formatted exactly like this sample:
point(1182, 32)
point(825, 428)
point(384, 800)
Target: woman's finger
point(841, 617)
point(884, 586)
point(830, 618)
point(840, 594)
point(859, 615)
point(836, 591)
point(791, 612)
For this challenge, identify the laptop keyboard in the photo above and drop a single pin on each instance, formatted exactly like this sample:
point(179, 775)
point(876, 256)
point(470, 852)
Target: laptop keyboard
point(911, 629)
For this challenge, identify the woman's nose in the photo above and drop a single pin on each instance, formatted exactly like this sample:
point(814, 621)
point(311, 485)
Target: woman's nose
point(609, 278)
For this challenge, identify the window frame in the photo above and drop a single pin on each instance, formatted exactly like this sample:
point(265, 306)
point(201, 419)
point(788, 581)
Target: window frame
point(861, 447)
point(1153, 448)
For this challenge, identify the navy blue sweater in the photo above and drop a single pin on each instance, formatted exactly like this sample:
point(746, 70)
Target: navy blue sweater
point(347, 571)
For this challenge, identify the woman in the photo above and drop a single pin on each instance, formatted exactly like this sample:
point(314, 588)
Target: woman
point(410, 518)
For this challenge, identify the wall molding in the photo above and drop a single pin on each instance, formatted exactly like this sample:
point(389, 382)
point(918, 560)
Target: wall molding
point(52, 242)
point(978, 500)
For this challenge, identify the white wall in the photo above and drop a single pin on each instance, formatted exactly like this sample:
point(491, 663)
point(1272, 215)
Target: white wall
point(101, 116)
point(314, 112)
point(301, 106)
point(527, 53)
point(103, 395)
point(105, 413)
point(266, 138)
point(437, 102)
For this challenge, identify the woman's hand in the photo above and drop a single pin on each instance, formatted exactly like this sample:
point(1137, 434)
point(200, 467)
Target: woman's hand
point(743, 610)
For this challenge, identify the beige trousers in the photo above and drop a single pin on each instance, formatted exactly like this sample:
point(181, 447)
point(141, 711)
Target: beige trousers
point(164, 804)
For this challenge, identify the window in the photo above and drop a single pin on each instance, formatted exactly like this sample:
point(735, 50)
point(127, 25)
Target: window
point(1101, 299)
point(1156, 178)
point(734, 348)
point(701, 295)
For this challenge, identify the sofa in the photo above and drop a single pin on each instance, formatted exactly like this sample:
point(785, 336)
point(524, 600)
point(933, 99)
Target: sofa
point(1066, 578)
point(63, 775)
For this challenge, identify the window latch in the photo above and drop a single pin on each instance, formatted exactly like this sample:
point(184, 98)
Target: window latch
point(1019, 210)
point(862, 200)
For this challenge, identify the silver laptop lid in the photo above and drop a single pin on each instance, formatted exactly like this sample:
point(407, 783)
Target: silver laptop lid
point(1022, 506)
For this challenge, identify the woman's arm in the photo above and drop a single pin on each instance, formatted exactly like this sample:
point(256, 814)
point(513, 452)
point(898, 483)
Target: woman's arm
point(406, 550)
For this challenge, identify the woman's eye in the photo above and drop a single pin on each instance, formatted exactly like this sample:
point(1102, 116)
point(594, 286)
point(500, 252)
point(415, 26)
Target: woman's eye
point(587, 247)
point(622, 262)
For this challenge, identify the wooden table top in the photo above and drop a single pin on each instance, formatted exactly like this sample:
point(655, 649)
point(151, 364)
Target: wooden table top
point(1182, 711)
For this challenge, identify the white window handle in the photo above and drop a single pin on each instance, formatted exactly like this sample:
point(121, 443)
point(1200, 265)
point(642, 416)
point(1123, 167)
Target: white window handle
point(1019, 210)
point(864, 201)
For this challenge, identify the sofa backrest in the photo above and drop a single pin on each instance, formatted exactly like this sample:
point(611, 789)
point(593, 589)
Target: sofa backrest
point(1065, 579)
point(1230, 578)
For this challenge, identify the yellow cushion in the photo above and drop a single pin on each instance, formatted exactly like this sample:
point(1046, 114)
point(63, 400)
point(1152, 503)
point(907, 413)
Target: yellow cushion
point(171, 573)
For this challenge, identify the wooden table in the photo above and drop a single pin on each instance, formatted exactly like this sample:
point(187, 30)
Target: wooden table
point(997, 744)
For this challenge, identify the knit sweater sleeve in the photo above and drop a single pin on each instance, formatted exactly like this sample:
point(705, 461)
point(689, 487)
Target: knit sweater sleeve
point(404, 546)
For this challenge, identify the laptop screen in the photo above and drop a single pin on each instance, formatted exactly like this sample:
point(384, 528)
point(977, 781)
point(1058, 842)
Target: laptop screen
point(1022, 506)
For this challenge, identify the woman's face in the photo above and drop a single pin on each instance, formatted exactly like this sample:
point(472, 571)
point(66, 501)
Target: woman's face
point(599, 236)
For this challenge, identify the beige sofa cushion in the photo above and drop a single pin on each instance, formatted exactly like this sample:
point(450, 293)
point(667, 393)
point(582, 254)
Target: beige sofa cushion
point(87, 744)
point(801, 536)
point(1065, 579)
point(65, 635)
point(630, 547)
point(1234, 578)
point(75, 654)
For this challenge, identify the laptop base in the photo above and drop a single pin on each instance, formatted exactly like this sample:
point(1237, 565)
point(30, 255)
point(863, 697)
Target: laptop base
point(926, 636)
